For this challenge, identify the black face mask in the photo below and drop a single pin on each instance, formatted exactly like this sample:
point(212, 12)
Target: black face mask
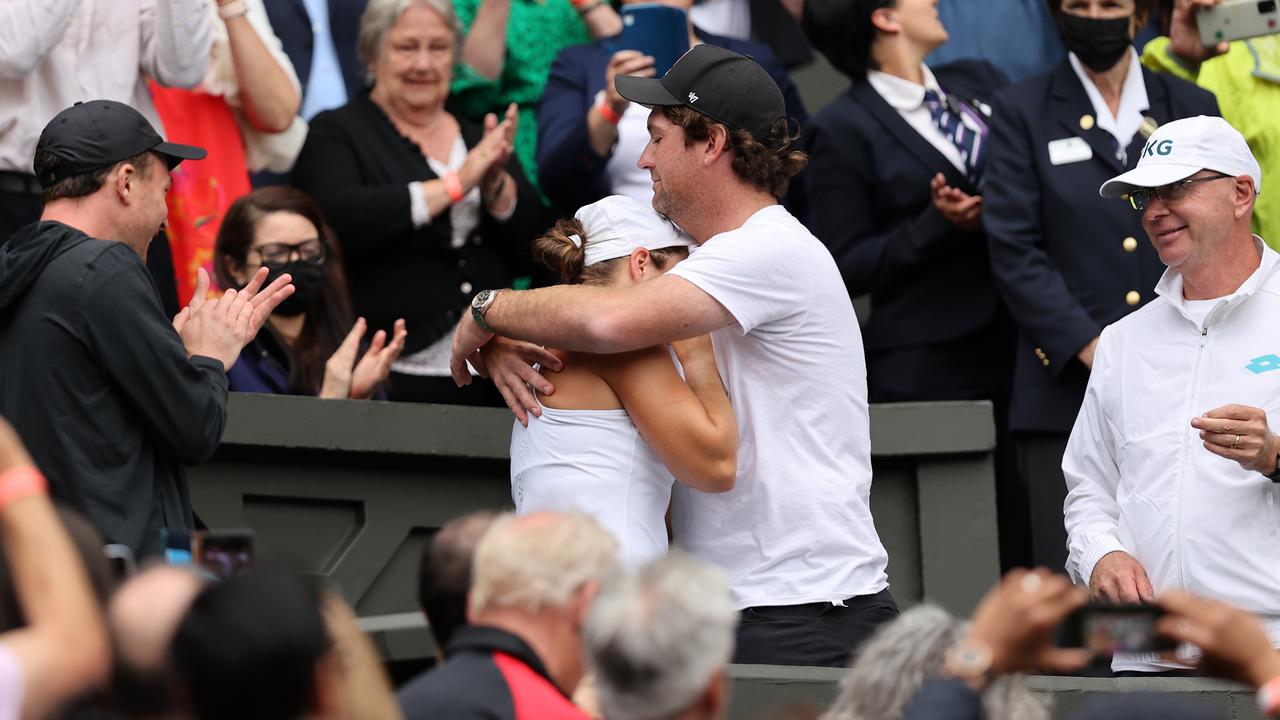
point(1098, 42)
point(308, 280)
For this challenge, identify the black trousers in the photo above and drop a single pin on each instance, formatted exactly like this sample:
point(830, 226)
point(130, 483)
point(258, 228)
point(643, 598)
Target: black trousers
point(1040, 464)
point(815, 634)
point(20, 203)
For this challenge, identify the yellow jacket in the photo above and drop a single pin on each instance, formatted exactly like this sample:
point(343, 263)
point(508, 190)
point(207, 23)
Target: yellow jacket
point(1247, 83)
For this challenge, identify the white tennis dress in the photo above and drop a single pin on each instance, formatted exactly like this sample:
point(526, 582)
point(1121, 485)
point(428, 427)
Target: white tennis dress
point(594, 461)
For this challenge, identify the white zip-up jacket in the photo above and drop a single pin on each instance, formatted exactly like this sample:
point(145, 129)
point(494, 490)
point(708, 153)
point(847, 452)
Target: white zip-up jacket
point(1138, 475)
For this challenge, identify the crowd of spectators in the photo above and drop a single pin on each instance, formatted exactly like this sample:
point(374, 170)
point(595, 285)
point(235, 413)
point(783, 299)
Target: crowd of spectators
point(309, 197)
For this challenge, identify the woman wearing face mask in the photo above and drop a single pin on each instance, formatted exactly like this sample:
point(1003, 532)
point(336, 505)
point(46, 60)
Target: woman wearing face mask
point(1067, 261)
point(309, 346)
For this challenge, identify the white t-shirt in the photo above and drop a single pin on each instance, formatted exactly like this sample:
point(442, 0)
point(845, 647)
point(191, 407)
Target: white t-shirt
point(625, 176)
point(797, 527)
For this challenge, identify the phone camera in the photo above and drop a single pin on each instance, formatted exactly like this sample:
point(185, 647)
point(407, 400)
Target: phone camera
point(1266, 6)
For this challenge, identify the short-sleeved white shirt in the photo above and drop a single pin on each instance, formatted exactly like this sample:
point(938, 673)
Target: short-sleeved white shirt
point(11, 685)
point(797, 527)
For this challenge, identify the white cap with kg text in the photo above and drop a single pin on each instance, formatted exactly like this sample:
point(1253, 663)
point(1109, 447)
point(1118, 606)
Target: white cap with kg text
point(1182, 148)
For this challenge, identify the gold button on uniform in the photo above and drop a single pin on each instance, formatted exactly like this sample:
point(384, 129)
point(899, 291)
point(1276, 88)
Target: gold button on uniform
point(1132, 297)
point(1130, 244)
point(1044, 362)
point(1086, 122)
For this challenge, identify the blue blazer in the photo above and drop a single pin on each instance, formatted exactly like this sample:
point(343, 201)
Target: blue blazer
point(292, 25)
point(570, 171)
point(870, 203)
point(1061, 254)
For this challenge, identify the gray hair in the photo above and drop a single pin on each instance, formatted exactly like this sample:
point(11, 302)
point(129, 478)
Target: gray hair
point(539, 561)
point(897, 660)
point(381, 15)
point(656, 637)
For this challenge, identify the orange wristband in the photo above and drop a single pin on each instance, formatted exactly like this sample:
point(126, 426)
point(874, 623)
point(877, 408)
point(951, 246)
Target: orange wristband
point(453, 186)
point(608, 113)
point(20, 482)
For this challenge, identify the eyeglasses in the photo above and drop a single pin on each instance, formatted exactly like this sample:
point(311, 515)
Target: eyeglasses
point(1172, 192)
point(311, 252)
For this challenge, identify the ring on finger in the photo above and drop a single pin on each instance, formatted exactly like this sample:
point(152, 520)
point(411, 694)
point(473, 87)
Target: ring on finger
point(1236, 445)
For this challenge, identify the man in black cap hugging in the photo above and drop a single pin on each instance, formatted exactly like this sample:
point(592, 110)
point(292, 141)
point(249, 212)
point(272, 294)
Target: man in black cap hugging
point(795, 534)
point(110, 397)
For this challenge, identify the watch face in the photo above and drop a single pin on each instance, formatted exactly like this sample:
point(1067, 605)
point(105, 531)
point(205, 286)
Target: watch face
point(480, 299)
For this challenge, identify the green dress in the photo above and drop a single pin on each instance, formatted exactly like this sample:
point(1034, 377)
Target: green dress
point(536, 32)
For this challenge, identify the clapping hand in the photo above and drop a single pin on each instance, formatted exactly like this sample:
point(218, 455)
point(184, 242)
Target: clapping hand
point(220, 328)
point(344, 377)
point(958, 207)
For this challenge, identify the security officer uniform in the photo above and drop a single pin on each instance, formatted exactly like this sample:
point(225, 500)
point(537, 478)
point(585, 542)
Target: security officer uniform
point(1067, 261)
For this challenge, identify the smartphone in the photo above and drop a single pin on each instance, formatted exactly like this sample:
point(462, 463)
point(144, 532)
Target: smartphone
point(660, 31)
point(224, 553)
point(1237, 20)
point(1107, 630)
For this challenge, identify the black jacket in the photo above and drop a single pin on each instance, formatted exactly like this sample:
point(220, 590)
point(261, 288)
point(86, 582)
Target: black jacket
point(870, 203)
point(358, 167)
point(1061, 254)
point(489, 674)
point(98, 383)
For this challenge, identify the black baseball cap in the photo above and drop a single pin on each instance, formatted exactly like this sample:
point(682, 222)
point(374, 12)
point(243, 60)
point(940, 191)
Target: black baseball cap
point(96, 134)
point(727, 87)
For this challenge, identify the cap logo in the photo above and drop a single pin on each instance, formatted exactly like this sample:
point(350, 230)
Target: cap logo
point(693, 98)
point(1153, 148)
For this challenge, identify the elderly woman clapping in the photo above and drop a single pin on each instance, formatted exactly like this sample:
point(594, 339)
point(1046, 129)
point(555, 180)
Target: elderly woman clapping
point(429, 208)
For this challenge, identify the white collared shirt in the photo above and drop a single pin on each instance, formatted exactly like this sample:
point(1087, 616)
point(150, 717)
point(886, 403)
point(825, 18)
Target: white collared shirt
point(64, 51)
point(1133, 101)
point(908, 99)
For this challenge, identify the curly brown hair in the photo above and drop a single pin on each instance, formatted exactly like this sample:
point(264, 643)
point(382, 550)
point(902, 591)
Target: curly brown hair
point(768, 167)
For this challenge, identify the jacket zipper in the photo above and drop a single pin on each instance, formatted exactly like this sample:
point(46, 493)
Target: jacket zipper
point(1194, 398)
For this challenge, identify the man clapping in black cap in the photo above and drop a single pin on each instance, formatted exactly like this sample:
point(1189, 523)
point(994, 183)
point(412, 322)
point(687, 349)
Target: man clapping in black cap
point(110, 396)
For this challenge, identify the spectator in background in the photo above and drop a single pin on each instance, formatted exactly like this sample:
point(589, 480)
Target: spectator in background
point(1019, 37)
point(776, 23)
point(589, 136)
point(1245, 77)
point(428, 207)
point(532, 582)
point(143, 616)
point(1068, 262)
point(896, 171)
point(114, 397)
point(319, 36)
point(659, 640)
point(56, 52)
point(507, 53)
point(256, 646)
point(895, 663)
point(310, 344)
point(246, 106)
point(444, 578)
point(627, 425)
point(62, 650)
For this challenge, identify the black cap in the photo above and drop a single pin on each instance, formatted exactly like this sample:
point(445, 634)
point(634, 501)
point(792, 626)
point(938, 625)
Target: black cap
point(96, 134)
point(721, 84)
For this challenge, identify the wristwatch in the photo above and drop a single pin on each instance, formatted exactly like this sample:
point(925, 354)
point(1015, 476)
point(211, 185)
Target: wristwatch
point(970, 661)
point(480, 305)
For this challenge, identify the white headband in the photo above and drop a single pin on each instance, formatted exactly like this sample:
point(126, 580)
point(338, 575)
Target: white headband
point(617, 225)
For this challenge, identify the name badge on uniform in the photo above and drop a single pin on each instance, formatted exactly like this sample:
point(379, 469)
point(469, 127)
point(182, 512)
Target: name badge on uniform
point(1069, 150)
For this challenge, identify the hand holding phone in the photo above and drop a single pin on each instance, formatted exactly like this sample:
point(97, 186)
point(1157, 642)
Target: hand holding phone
point(659, 31)
point(1105, 630)
point(625, 62)
point(1222, 21)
